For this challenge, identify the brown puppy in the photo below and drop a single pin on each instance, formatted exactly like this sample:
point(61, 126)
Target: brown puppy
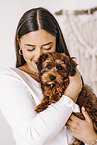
point(54, 70)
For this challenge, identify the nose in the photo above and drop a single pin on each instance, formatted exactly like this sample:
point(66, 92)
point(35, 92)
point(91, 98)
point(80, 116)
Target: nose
point(52, 78)
point(39, 51)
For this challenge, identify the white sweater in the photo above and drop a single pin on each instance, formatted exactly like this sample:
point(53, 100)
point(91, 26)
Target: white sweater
point(19, 96)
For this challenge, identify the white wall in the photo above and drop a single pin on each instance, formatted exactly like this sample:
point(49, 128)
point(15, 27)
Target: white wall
point(12, 10)
point(10, 13)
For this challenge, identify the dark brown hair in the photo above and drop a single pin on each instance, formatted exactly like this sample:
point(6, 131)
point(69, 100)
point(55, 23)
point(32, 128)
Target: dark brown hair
point(33, 20)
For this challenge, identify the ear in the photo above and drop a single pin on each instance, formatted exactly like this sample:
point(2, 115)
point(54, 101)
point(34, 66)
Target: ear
point(40, 60)
point(72, 66)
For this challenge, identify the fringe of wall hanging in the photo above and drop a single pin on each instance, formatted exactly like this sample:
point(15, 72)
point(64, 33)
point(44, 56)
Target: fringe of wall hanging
point(80, 32)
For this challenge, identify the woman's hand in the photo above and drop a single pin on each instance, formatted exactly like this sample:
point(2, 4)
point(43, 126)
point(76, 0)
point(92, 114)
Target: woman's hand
point(82, 129)
point(74, 86)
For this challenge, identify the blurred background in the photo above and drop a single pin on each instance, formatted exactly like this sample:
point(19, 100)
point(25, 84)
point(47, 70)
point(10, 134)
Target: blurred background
point(79, 30)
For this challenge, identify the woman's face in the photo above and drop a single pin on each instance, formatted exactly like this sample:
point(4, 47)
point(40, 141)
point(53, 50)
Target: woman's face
point(34, 44)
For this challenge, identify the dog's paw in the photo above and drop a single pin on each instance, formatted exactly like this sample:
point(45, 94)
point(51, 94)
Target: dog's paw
point(41, 107)
point(54, 98)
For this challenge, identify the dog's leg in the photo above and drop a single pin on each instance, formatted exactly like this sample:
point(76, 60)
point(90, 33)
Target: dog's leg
point(56, 94)
point(43, 105)
point(58, 91)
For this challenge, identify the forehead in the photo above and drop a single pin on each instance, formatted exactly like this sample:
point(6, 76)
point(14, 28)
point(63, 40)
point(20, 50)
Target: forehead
point(53, 63)
point(54, 59)
point(38, 37)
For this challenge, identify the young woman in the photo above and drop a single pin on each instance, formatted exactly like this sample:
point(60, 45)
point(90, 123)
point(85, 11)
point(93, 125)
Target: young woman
point(38, 32)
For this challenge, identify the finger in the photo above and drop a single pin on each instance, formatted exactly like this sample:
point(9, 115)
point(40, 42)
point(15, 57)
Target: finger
point(74, 118)
point(72, 124)
point(86, 115)
point(68, 126)
point(69, 122)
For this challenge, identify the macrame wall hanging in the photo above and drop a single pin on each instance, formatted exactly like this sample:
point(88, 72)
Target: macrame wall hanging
point(80, 33)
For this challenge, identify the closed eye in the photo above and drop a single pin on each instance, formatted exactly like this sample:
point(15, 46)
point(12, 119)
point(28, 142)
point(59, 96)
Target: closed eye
point(48, 48)
point(30, 49)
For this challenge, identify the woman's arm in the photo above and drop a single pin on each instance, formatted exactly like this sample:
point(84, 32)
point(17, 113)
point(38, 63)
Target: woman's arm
point(74, 87)
point(17, 105)
point(82, 129)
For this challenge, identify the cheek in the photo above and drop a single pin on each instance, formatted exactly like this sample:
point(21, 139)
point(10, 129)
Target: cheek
point(53, 48)
point(28, 55)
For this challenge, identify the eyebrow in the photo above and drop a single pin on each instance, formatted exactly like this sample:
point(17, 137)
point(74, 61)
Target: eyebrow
point(47, 43)
point(30, 45)
point(42, 45)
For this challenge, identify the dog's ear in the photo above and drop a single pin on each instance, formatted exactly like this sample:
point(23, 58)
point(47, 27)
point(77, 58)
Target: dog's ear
point(40, 60)
point(70, 64)
point(72, 67)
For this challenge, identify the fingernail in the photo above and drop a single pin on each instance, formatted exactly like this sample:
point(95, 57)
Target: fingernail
point(83, 108)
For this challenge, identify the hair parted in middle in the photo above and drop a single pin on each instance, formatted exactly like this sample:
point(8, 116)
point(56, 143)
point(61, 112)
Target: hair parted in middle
point(36, 19)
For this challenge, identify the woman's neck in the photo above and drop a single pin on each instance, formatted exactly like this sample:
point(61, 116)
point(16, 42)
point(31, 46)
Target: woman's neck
point(32, 73)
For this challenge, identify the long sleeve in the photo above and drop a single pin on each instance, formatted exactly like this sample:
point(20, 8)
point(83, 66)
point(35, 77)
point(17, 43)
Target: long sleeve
point(17, 105)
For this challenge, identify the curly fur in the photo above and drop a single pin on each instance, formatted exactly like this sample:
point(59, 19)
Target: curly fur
point(54, 70)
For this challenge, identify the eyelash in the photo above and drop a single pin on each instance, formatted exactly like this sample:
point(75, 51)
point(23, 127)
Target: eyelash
point(30, 49)
point(48, 48)
point(44, 48)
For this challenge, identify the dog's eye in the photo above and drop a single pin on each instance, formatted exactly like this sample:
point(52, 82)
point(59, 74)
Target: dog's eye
point(48, 66)
point(60, 67)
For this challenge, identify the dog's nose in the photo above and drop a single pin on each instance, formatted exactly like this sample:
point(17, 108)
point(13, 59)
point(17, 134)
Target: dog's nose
point(52, 78)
